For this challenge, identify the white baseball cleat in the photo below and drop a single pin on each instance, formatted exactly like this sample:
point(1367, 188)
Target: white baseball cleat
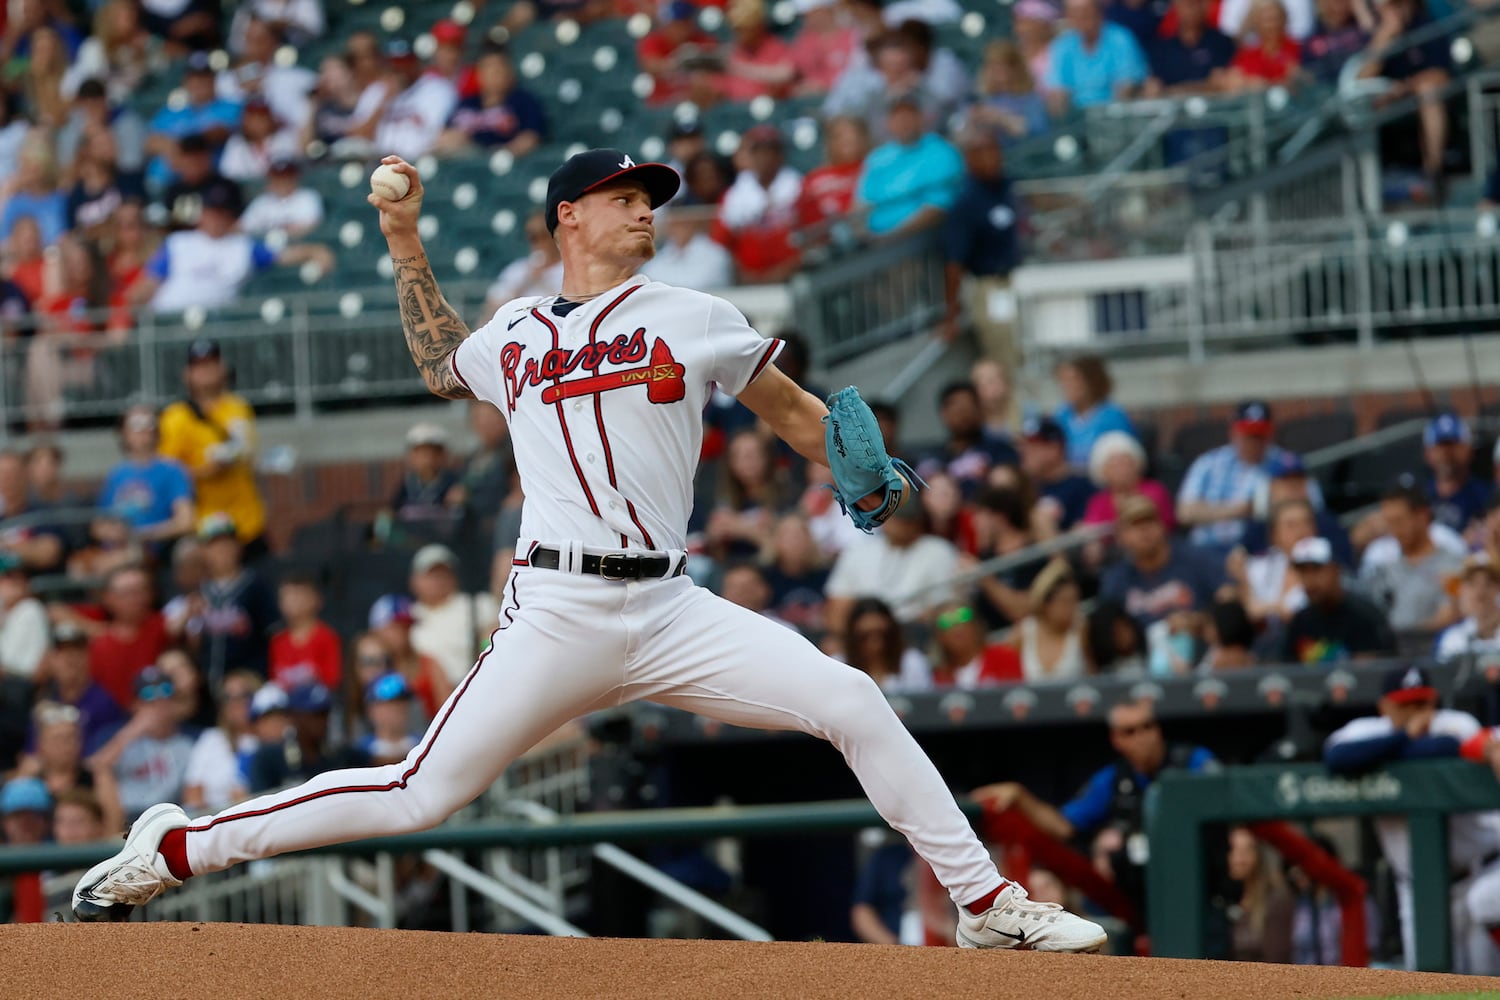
point(1018, 922)
point(136, 875)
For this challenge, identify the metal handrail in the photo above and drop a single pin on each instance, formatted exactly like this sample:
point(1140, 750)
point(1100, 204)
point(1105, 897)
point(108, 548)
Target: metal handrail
point(495, 891)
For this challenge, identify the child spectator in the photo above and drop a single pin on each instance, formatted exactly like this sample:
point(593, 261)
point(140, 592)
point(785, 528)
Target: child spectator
point(1230, 636)
point(238, 608)
point(152, 494)
point(25, 632)
point(388, 715)
point(1009, 103)
point(215, 779)
point(500, 116)
point(77, 818)
point(306, 649)
point(150, 753)
point(1116, 641)
point(390, 623)
point(759, 210)
point(1087, 412)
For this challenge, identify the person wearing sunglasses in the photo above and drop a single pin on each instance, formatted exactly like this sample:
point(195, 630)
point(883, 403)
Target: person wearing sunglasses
point(214, 776)
point(965, 658)
point(1109, 814)
point(388, 714)
point(149, 755)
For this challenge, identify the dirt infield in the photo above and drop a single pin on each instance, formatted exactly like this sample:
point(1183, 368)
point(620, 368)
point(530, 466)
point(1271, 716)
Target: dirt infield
point(234, 961)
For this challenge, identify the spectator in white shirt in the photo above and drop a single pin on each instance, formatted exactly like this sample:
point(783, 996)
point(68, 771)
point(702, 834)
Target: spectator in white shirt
point(900, 564)
point(25, 632)
point(297, 21)
point(287, 89)
point(215, 779)
point(538, 273)
point(448, 625)
point(285, 205)
point(1479, 602)
point(208, 266)
point(261, 139)
point(414, 119)
point(686, 255)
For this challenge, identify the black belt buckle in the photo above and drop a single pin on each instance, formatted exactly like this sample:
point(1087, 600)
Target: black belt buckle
point(630, 567)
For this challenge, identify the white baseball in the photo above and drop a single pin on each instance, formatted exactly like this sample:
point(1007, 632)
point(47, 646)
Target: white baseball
point(389, 183)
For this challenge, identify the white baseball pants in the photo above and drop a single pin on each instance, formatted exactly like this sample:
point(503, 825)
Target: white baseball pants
point(570, 644)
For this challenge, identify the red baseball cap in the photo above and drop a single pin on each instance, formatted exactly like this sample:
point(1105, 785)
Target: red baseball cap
point(1254, 418)
point(1407, 684)
point(449, 32)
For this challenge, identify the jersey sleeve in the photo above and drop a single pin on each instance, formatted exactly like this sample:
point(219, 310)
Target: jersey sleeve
point(476, 364)
point(740, 354)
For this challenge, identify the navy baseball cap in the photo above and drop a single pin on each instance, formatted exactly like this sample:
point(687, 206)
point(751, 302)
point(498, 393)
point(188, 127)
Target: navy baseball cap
point(1446, 428)
point(587, 170)
point(1403, 684)
point(1254, 418)
point(203, 349)
point(1043, 428)
point(312, 697)
point(1287, 465)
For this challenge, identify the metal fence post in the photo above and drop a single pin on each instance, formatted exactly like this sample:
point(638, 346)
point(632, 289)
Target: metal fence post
point(302, 376)
point(1200, 248)
point(1430, 879)
point(1364, 288)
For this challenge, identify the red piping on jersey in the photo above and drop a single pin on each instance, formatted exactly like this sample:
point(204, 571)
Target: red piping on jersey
point(561, 422)
point(770, 353)
point(391, 786)
point(609, 461)
point(453, 363)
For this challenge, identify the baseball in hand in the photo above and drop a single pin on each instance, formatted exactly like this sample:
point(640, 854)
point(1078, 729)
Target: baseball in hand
point(389, 183)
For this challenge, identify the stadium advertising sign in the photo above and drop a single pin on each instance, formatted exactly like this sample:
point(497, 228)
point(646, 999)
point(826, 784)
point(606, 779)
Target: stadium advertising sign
point(1294, 790)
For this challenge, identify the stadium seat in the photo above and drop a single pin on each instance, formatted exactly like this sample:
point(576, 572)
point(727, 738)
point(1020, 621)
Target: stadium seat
point(1304, 435)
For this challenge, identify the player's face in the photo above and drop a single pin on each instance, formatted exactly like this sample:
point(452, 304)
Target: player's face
point(616, 221)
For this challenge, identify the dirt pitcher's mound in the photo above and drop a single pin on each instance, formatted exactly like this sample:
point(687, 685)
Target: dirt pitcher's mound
point(234, 961)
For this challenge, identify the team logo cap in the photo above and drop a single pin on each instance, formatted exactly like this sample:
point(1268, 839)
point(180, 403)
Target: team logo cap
point(585, 171)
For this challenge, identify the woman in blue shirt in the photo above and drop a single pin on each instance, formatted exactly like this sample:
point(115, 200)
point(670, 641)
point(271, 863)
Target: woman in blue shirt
point(1088, 412)
point(1008, 100)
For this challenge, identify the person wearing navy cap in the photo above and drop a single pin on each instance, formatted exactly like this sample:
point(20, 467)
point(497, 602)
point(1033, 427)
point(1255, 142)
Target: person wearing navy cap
point(1290, 482)
point(1458, 498)
point(304, 750)
point(1411, 726)
point(1044, 457)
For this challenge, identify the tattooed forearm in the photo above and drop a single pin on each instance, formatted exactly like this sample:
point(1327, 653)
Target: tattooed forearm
point(432, 327)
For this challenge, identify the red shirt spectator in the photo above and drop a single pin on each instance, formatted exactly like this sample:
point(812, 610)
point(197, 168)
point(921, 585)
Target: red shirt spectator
point(1274, 56)
point(759, 63)
point(828, 191)
point(660, 52)
point(758, 213)
point(966, 660)
point(315, 656)
point(119, 653)
point(823, 47)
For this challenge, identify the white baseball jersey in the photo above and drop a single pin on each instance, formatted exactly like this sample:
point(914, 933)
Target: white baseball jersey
point(606, 405)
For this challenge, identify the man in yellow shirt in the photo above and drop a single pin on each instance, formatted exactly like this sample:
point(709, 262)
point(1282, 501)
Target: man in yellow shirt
point(212, 433)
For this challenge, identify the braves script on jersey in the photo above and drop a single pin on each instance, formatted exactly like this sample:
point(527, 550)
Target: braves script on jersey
point(606, 405)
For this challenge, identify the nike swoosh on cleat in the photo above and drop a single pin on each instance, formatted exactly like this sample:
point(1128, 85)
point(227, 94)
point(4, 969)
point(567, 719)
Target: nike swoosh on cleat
point(1018, 938)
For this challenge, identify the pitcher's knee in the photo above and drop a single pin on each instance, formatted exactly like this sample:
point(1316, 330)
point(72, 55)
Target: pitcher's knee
point(855, 706)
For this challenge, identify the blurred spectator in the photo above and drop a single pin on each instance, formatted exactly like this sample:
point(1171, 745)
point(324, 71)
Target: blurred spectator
point(1479, 603)
point(981, 243)
point(78, 818)
point(992, 383)
point(98, 192)
point(1230, 636)
point(201, 114)
point(34, 194)
point(119, 53)
point(152, 493)
point(1411, 726)
point(449, 625)
point(1342, 31)
point(261, 139)
point(757, 63)
point(538, 273)
point(1193, 58)
point(909, 183)
point(1034, 23)
point(943, 78)
point(1087, 411)
point(1220, 487)
point(1237, 18)
point(1002, 522)
point(257, 75)
point(796, 574)
point(1111, 807)
point(1409, 576)
point(238, 609)
point(1093, 62)
point(488, 477)
point(1158, 576)
point(1050, 638)
point(391, 623)
point(305, 750)
point(947, 517)
point(25, 632)
point(208, 266)
point(42, 546)
point(212, 434)
point(684, 141)
point(669, 52)
point(758, 212)
point(970, 449)
point(828, 190)
point(69, 683)
point(429, 493)
point(823, 46)
point(1271, 58)
point(1336, 625)
point(1116, 641)
point(196, 175)
point(1422, 71)
point(132, 635)
point(965, 660)
point(686, 255)
point(149, 755)
point(131, 245)
point(347, 100)
point(388, 716)
point(882, 893)
point(1318, 920)
point(1009, 104)
point(41, 80)
point(297, 21)
point(500, 116)
point(57, 759)
point(1117, 466)
point(1267, 585)
point(1044, 457)
point(25, 812)
point(527, 12)
point(413, 119)
point(1261, 921)
point(305, 649)
point(705, 179)
point(874, 643)
point(899, 564)
point(1458, 498)
point(214, 779)
point(1288, 480)
point(1142, 18)
point(284, 205)
point(24, 262)
point(73, 306)
point(94, 113)
point(744, 584)
point(752, 493)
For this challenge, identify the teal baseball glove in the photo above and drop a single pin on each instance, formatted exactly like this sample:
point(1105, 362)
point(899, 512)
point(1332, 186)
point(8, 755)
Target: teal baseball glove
point(861, 467)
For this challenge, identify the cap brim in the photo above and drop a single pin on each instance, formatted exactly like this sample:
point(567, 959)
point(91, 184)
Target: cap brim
point(1255, 428)
point(1407, 695)
point(660, 181)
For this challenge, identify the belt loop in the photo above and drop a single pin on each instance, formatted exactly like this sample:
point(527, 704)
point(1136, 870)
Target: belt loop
point(572, 557)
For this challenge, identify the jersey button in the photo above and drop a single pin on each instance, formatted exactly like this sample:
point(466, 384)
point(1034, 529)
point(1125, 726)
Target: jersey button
point(591, 456)
point(613, 505)
point(577, 407)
